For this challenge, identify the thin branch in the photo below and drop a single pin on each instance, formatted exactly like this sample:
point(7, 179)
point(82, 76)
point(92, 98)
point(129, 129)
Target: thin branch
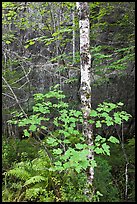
point(126, 167)
point(15, 96)
point(7, 95)
point(23, 85)
point(126, 159)
point(26, 75)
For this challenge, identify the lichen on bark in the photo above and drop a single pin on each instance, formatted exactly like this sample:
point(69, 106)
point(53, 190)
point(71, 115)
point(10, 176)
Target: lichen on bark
point(85, 88)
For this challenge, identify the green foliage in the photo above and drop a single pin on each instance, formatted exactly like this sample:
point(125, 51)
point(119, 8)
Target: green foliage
point(40, 178)
point(33, 176)
point(37, 183)
point(14, 150)
point(118, 164)
point(66, 145)
point(111, 56)
point(106, 114)
point(104, 181)
point(123, 56)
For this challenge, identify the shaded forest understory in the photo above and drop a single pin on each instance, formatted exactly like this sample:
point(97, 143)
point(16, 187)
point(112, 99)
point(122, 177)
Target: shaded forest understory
point(45, 154)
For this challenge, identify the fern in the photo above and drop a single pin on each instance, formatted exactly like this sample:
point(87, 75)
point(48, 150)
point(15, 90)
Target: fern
point(33, 193)
point(35, 179)
point(20, 173)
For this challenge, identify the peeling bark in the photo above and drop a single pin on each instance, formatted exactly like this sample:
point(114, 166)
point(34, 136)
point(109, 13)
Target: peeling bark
point(85, 67)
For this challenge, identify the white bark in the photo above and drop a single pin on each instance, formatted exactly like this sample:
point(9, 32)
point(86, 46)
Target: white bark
point(85, 66)
point(73, 15)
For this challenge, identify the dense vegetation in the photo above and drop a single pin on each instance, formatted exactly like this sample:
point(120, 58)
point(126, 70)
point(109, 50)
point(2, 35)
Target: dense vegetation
point(44, 151)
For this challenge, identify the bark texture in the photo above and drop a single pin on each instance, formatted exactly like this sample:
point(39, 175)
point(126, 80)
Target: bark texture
point(85, 66)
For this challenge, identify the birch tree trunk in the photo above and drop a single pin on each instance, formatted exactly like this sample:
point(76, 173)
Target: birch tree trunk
point(74, 35)
point(85, 87)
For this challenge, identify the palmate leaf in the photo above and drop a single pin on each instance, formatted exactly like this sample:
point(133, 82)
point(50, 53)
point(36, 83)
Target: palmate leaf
point(84, 164)
point(98, 150)
point(106, 149)
point(33, 128)
point(52, 142)
point(98, 124)
point(113, 139)
point(117, 118)
point(109, 122)
point(93, 113)
point(26, 133)
point(78, 168)
point(93, 163)
point(57, 151)
point(80, 146)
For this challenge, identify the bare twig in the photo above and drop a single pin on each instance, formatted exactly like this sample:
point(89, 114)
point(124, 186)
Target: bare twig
point(126, 159)
point(7, 95)
point(127, 163)
point(26, 75)
point(15, 96)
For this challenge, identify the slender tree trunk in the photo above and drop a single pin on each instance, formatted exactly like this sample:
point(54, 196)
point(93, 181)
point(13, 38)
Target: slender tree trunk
point(74, 35)
point(85, 88)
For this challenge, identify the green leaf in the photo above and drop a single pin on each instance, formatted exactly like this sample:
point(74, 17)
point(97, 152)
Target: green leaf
point(93, 163)
point(26, 46)
point(31, 42)
point(67, 134)
point(124, 115)
point(106, 149)
point(113, 139)
point(93, 113)
point(84, 163)
point(8, 42)
point(66, 141)
point(72, 119)
point(98, 138)
point(78, 113)
point(120, 104)
point(35, 179)
point(91, 121)
point(58, 163)
point(98, 124)
point(57, 151)
point(66, 165)
point(78, 169)
point(83, 154)
point(99, 109)
point(51, 141)
point(33, 127)
point(98, 150)
point(26, 133)
point(109, 123)
point(117, 118)
point(80, 146)
point(55, 122)
point(104, 114)
point(9, 18)
point(43, 127)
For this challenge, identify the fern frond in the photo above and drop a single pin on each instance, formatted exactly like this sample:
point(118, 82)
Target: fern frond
point(33, 193)
point(35, 179)
point(20, 173)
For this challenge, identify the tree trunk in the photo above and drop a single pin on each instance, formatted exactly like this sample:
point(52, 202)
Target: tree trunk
point(85, 88)
point(74, 35)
